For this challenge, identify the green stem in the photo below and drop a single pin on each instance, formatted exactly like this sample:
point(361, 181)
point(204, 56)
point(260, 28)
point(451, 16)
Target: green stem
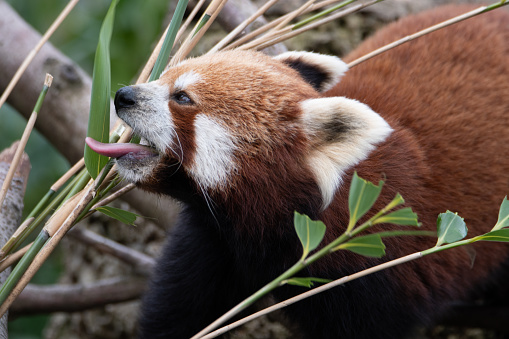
point(22, 266)
point(253, 298)
point(449, 246)
point(495, 5)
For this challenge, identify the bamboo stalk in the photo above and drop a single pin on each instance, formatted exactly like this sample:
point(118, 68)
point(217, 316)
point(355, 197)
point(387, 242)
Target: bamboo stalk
point(228, 38)
point(84, 197)
point(14, 257)
point(201, 27)
point(61, 17)
point(262, 42)
point(24, 139)
point(274, 23)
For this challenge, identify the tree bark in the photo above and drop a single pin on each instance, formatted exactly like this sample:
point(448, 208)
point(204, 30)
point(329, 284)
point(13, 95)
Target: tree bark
point(12, 207)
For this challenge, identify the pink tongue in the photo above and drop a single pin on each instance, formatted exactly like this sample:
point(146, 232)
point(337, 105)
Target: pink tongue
point(116, 150)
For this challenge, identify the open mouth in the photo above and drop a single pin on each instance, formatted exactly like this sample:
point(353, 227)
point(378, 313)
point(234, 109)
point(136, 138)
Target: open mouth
point(133, 152)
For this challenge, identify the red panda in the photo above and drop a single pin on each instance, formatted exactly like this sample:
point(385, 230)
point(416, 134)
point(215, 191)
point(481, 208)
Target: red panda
point(243, 140)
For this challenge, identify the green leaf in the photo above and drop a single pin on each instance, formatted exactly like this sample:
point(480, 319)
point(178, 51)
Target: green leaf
point(450, 228)
point(119, 214)
point(404, 216)
point(363, 195)
point(305, 282)
point(498, 235)
point(399, 233)
point(169, 39)
point(99, 118)
point(503, 215)
point(368, 245)
point(310, 232)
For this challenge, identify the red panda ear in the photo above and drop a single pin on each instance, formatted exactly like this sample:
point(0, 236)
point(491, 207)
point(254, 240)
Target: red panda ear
point(321, 71)
point(342, 132)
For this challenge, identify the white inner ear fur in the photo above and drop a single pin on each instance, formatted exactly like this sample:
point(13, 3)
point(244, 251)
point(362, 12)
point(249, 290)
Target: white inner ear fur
point(332, 65)
point(213, 160)
point(359, 130)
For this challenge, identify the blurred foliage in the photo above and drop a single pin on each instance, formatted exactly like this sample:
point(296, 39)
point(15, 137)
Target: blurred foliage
point(138, 26)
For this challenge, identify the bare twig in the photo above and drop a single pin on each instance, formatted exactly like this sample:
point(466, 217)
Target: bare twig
point(73, 298)
point(226, 40)
point(305, 295)
point(21, 145)
point(13, 258)
point(65, 12)
point(142, 263)
point(408, 38)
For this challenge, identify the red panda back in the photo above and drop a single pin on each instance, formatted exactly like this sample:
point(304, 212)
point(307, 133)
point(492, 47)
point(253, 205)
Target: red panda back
point(446, 97)
point(244, 140)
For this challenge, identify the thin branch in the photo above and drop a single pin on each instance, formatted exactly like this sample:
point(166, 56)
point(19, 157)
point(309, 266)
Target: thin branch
point(65, 12)
point(305, 295)
point(227, 39)
point(24, 139)
point(142, 263)
point(74, 298)
point(418, 35)
point(264, 42)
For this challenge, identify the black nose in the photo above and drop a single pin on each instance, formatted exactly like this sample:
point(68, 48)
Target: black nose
point(125, 98)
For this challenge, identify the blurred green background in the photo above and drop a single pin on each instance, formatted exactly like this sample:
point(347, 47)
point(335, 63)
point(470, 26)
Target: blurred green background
point(138, 25)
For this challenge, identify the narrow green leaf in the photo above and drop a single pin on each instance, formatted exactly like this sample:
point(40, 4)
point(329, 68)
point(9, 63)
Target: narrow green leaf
point(368, 245)
point(321, 14)
point(503, 215)
point(450, 228)
point(310, 232)
point(363, 195)
point(119, 214)
point(399, 233)
point(404, 216)
point(169, 39)
point(99, 118)
point(498, 235)
point(202, 23)
point(305, 282)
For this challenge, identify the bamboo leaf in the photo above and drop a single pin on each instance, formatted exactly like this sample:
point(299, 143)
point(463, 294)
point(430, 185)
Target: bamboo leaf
point(99, 118)
point(310, 232)
point(363, 195)
point(404, 216)
point(498, 235)
point(450, 227)
point(368, 245)
point(121, 215)
point(503, 215)
point(305, 282)
point(169, 40)
point(398, 233)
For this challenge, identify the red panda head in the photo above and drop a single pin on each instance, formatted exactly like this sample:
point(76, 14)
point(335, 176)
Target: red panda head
point(218, 123)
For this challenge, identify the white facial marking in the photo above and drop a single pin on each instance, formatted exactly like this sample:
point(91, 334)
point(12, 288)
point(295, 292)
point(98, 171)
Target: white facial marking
point(213, 160)
point(360, 129)
point(186, 79)
point(153, 120)
point(133, 173)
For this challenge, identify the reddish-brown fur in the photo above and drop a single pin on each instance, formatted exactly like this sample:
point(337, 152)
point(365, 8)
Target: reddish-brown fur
point(447, 98)
point(464, 167)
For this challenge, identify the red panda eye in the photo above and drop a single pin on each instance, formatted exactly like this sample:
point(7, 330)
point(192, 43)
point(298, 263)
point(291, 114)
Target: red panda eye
point(182, 98)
